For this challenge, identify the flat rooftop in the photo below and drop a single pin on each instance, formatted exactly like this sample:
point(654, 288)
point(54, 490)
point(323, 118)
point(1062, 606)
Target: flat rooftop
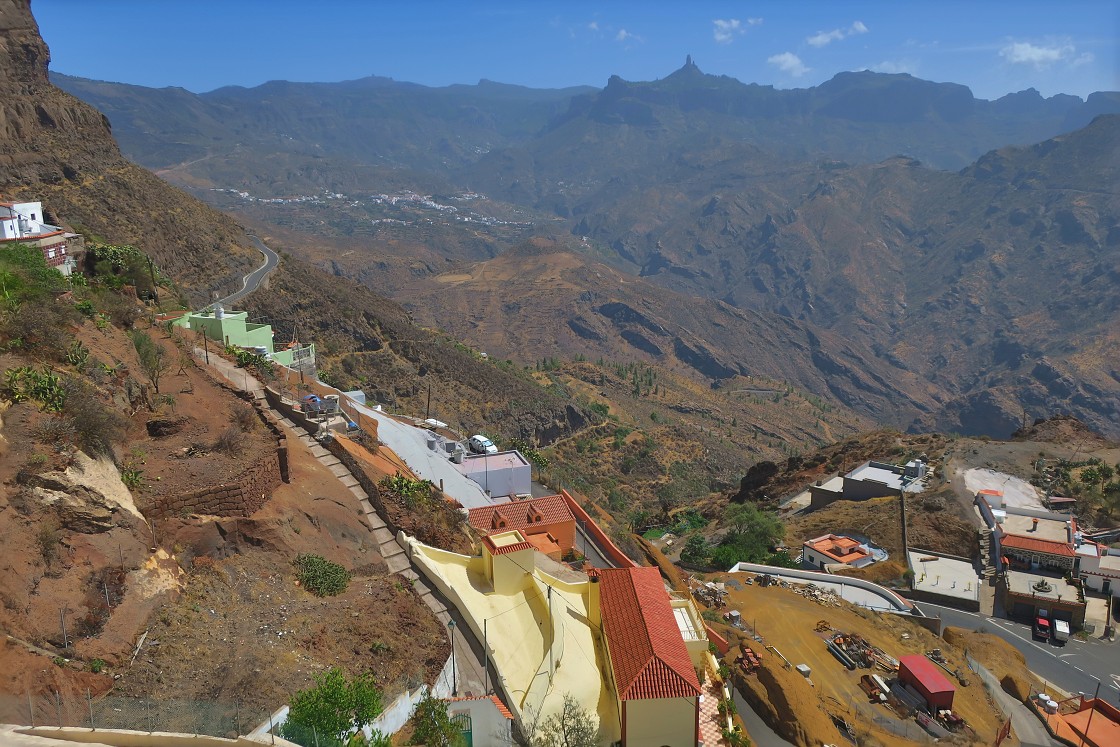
point(832, 485)
point(1047, 529)
point(949, 577)
point(867, 473)
point(1021, 582)
point(501, 460)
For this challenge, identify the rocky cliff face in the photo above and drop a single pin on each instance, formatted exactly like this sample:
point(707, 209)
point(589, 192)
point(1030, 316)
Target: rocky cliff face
point(59, 150)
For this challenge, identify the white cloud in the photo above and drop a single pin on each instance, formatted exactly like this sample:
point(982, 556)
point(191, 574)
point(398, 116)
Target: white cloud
point(594, 25)
point(895, 66)
point(1025, 53)
point(625, 36)
point(725, 31)
point(789, 63)
point(754, 21)
point(1082, 59)
point(824, 38)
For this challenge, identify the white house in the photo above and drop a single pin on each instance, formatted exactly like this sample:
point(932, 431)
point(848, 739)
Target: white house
point(22, 222)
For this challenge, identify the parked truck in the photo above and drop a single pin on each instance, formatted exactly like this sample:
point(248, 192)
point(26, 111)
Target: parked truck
point(1061, 631)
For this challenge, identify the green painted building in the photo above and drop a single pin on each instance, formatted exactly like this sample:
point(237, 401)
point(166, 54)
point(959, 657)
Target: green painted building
point(234, 328)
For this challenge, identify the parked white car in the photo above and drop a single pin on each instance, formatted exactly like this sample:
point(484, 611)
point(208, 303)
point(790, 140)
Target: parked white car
point(480, 444)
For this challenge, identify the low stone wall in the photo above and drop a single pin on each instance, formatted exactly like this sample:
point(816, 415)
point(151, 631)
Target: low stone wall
point(242, 496)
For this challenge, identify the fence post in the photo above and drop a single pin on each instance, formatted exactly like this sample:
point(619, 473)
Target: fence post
point(31, 709)
point(62, 620)
point(58, 706)
point(148, 711)
point(271, 731)
point(89, 700)
point(237, 711)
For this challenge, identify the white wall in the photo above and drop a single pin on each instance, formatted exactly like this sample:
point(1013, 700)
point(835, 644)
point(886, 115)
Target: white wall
point(489, 728)
point(516, 480)
point(661, 721)
point(12, 229)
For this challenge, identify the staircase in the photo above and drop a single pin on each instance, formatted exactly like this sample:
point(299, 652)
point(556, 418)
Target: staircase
point(987, 546)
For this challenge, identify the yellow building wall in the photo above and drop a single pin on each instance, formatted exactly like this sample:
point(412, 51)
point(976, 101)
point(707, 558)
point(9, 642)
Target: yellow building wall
point(669, 722)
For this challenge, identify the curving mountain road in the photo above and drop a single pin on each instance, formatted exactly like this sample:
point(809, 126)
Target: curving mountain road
point(253, 280)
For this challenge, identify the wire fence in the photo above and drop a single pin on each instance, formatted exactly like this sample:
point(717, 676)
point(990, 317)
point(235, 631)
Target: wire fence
point(211, 718)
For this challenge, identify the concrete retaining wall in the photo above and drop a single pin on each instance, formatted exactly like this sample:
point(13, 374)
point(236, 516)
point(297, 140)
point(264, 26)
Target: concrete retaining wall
point(124, 738)
point(968, 605)
point(898, 603)
point(396, 715)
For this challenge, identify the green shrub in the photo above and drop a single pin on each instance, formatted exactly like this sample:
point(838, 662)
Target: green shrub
point(96, 425)
point(320, 576)
point(325, 714)
point(96, 666)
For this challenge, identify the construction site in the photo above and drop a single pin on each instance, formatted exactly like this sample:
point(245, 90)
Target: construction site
point(822, 671)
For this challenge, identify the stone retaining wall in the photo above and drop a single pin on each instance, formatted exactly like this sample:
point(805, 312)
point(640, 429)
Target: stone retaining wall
point(242, 496)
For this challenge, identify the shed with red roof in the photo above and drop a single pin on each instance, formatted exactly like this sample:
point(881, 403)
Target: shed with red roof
point(926, 678)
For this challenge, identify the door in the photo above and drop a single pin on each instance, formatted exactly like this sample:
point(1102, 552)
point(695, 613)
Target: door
point(462, 721)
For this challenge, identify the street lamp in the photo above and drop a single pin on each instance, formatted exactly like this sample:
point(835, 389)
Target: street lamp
point(454, 674)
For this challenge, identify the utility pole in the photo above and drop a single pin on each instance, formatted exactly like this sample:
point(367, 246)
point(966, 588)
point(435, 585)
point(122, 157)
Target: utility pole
point(454, 674)
point(428, 407)
point(551, 637)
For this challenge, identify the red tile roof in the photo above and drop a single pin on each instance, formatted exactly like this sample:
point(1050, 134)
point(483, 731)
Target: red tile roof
point(505, 549)
point(497, 703)
point(520, 514)
point(647, 652)
point(1033, 544)
point(840, 549)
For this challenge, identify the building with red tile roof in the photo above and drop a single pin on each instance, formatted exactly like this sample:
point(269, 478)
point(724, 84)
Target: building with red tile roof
point(832, 549)
point(547, 523)
point(1036, 545)
point(653, 677)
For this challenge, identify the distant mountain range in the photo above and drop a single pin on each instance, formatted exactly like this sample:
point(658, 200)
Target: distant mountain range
point(935, 277)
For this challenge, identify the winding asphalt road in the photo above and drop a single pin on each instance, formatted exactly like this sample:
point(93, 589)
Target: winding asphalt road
point(253, 280)
point(1075, 667)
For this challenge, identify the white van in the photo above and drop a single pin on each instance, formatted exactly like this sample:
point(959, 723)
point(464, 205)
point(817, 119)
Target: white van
point(1061, 631)
point(480, 444)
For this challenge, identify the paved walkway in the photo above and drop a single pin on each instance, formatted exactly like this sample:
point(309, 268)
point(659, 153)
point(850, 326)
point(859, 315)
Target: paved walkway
point(468, 652)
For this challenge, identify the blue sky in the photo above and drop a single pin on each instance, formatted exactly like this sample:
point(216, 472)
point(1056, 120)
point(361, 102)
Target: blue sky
point(991, 46)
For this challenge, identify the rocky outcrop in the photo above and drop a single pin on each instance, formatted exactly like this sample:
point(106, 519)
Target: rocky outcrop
point(60, 150)
point(87, 497)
